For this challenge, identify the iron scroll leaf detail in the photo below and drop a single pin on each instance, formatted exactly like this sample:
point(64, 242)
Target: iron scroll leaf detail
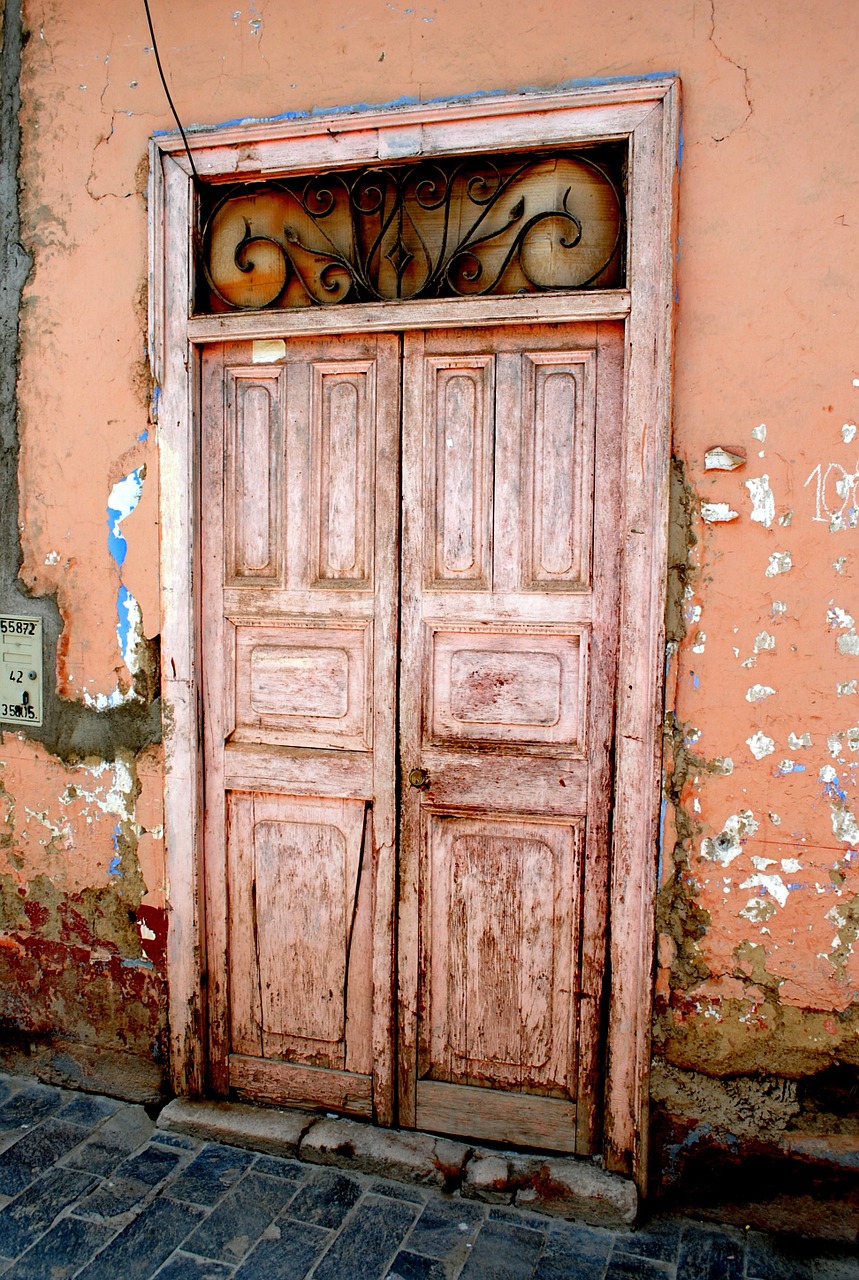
point(427, 229)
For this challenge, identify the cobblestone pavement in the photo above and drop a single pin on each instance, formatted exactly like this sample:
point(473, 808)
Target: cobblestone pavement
point(90, 1189)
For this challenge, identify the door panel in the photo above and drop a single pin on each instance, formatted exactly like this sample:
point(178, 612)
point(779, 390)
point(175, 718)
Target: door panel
point(509, 610)
point(299, 598)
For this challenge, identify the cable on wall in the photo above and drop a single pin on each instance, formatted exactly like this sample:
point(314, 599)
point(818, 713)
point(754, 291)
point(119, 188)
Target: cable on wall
point(194, 172)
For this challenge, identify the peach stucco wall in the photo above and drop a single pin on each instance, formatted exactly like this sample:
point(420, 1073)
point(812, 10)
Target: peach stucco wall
point(759, 907)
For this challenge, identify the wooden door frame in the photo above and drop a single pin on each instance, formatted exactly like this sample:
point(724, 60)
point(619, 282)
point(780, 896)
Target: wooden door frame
point(646, 112)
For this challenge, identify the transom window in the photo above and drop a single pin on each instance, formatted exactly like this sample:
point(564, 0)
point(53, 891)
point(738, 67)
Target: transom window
point(433, 228)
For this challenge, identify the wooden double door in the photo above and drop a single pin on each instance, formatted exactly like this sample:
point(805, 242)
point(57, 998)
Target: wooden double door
point(409, 595)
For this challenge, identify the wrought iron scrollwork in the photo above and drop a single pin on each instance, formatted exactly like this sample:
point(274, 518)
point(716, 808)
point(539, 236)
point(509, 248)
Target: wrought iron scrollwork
point(426, 229)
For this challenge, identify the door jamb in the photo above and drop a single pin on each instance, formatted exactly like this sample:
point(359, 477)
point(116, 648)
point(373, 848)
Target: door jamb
point(646, 112)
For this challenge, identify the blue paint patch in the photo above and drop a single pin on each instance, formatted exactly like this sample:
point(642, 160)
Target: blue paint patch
point(663, 807)
point(144, 435)
point(696, 683)
point(126, 494)
point(115, 868)
point(116, 543)
point(124, 599)
point(137, 964)
point(832, 787)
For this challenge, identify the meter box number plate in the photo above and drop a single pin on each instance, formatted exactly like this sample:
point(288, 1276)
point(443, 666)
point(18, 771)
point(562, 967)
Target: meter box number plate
point(21, 683)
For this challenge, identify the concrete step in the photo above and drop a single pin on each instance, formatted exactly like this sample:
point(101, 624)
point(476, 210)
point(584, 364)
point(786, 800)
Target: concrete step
point(564, 1186)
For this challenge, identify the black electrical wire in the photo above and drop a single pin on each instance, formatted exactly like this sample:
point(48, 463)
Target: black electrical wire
point(167, 92)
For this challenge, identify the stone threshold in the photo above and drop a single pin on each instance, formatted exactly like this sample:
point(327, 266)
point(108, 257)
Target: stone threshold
point(561, 1185)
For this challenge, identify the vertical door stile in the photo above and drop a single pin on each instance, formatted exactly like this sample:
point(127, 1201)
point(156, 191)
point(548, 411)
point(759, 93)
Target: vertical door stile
point(607, 467)
point(410, 959)
point(383, 818)
point(215, 419)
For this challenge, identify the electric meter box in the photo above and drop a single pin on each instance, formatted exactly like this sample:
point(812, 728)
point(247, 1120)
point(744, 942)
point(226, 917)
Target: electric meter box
point(21, 670)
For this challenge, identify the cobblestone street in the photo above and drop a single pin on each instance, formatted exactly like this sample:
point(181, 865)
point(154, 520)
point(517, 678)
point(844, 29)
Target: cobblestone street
point(90, 1188)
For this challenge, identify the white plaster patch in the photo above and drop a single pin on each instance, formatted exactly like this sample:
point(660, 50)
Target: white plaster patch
point(268, 350)
point(779, 608)
point(760, 745)
point(845, 688)
point(773, 885)
point(853, 739)
point(785, 519)
point(758, 692)
point(145, 932)
point(760, 433)
point(761, 864)
point(718, 513)
point(764, 642)
point(118, 698)
point(836, 617)
point(114, 795)
point(101, 701)
point(849, 643)
point(125, 494)
point(763, 500)
point(130, 635)
point(848, 432)
point(795, 741)
point(774, 819)
point(53, 557)
point(790, 865)
point(728, 844)
point(838, 565)
point(779, 562)
point(700, 642)
point(833, 743)
point(719, 459)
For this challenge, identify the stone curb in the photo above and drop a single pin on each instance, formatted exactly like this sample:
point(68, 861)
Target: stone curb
point(277, 1133)
point(559, 1185)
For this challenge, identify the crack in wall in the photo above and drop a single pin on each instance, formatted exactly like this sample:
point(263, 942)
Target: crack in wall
point(70, 730)
point(739, 67)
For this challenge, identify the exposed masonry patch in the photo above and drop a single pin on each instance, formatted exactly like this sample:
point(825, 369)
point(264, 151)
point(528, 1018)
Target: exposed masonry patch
point(681, 539)
point(70, 730)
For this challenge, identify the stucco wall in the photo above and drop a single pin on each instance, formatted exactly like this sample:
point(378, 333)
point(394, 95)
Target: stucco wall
point(759, 907)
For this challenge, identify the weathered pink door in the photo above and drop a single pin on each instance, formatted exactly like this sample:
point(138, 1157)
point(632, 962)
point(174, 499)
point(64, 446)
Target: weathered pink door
point(504, 660)
point(510, 478)
point(299, 573)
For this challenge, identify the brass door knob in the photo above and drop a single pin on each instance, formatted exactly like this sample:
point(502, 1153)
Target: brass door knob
point(419, 779)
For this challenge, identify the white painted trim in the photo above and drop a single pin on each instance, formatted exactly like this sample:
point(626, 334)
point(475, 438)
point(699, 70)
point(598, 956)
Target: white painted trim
point(645, 112)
